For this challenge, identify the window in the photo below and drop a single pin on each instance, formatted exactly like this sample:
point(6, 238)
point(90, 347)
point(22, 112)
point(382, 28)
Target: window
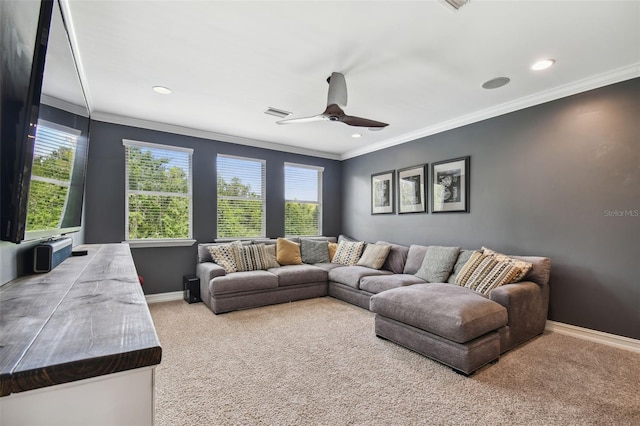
point(241, 197)
point(158, 195)
point(53, 159)
point(303, 199)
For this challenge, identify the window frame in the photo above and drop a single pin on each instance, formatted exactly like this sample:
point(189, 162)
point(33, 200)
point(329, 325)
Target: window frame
point(263, 198)
point(320, 201)
point(157, 242)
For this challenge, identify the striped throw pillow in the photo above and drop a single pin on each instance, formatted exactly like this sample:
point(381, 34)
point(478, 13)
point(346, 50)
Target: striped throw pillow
point(485, 271)
point(252, 257)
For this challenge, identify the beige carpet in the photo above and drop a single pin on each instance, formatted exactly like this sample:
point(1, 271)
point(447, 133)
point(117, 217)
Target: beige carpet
point(319, 362)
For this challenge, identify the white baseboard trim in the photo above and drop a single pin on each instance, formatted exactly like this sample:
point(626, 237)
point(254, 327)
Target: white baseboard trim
point(608, 339)
point(164, 297)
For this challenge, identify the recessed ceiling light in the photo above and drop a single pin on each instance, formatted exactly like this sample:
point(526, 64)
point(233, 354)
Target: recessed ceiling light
point(543, 64)
point(162, 90)
point(494, 83)
point(356, 135)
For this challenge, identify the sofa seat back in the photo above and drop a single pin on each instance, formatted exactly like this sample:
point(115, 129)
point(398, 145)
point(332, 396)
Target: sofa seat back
point(299, 274)
point(351, 275)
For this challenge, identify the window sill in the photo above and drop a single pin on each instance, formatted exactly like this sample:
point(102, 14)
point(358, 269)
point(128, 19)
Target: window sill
point(160, 243)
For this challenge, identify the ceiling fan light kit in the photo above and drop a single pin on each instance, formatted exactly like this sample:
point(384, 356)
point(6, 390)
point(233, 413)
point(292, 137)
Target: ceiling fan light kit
point(337, 98)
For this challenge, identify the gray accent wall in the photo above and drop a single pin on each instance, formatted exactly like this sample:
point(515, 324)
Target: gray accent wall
point(163, 268)
point(561, 179)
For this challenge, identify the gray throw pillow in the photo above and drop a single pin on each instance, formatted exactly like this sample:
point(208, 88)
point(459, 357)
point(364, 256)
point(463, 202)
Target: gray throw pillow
point(314, 251)
point(438, 263)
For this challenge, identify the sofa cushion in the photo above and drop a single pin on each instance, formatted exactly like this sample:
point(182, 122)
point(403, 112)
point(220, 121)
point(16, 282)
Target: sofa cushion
point(449, 311)
point(288, 252)
point(225, 255)
point(415, 256)
point(374, 256)
point(243, 281)
point(299, 274)
point(396, 259)
point(314, 251)
point(463, 257)
point(351, 275)
point(348, 252)
point(438, 263)
point(485, 271)
point(328, 266)
point(376, 284)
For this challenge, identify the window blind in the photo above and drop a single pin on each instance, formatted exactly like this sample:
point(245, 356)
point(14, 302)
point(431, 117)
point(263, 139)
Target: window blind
point(303, 199)
point(159, 194)
point(241, 197)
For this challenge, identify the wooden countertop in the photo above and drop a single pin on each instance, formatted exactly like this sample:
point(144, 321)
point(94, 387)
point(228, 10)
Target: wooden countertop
point(86, 318)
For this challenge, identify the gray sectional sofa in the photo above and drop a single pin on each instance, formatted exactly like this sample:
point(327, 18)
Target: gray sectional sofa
point(452, 324)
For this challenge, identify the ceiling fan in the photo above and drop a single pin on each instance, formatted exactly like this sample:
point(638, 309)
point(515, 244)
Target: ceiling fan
point(337, 98)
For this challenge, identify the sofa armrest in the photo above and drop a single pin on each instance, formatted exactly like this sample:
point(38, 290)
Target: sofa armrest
point(527, 304)
point(207, 271)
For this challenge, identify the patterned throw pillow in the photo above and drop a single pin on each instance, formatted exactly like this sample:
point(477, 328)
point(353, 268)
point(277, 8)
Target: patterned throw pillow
point(374, 255)
point(252, 257)
point(348, 252)
point(288, 252)
point(484, 272)
point(223, 255)
point(526, 266)
point(313, 251)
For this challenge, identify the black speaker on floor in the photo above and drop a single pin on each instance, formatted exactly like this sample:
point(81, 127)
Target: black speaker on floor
point(47, 256)
point(191, 288)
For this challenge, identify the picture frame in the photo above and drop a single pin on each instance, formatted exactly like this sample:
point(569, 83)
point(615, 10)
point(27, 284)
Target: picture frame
point(450, 180)
point(412, 189)
point(383, 193)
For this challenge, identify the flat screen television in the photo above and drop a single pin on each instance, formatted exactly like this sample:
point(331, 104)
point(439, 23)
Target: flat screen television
point(45, 124)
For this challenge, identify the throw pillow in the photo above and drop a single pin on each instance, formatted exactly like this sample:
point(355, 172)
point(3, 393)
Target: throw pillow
point(252, 257)
point(333, 247)
point(374, 256)
point(396, 259)
point(526, 266)
point(485, 271)
point(270, 250)
point(438, 263)
point(313, 251)
point(223, 255)
point(288, 252)
point(348, 252)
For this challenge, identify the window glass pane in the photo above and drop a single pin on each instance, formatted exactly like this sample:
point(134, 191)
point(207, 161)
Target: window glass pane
point(241, 199)
point(158, 191)
point(53, 159)
point(303, 200)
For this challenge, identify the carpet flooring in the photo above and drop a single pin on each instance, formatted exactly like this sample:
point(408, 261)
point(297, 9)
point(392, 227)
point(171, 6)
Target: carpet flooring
point(318, 362)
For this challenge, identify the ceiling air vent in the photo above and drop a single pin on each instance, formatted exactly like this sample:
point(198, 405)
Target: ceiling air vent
point(456, 4)
point(277, 112)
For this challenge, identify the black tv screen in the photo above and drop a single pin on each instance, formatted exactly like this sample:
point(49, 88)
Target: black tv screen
point(45, 125)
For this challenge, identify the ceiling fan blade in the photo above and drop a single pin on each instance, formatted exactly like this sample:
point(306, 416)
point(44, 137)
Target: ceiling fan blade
point(361, 122)
point(320, 117)
point(337, 90)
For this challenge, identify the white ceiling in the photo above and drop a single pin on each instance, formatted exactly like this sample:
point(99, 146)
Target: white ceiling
point(416, 65)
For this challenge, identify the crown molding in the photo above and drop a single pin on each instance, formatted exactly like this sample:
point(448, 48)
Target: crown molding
point(590, 83)
point(205, 134)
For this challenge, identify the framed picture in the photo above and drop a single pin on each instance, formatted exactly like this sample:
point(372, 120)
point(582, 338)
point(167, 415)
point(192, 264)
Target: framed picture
point(412, 196)
point(450, 186)
point(382, 193)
